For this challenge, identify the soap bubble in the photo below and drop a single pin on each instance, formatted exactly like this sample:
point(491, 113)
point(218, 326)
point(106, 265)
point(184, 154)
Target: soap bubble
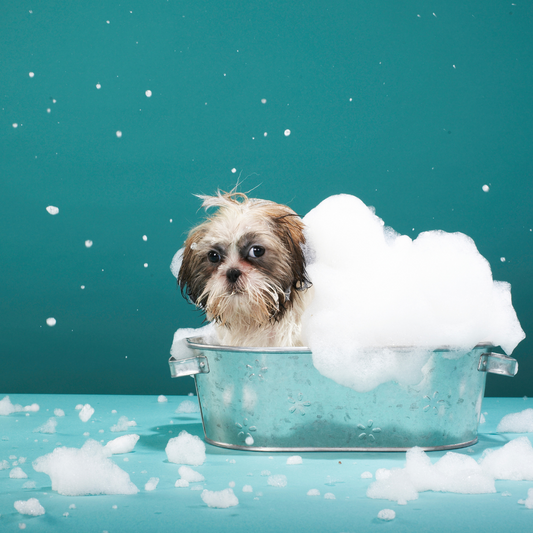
point(51, 321)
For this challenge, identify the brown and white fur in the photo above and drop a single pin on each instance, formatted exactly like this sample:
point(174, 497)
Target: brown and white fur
point(245, 267)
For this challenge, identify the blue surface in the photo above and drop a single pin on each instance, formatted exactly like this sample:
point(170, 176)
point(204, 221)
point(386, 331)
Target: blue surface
point(266, 509)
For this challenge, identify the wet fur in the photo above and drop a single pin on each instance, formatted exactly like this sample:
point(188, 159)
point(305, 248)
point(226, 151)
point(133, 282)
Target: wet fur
point(264, 306)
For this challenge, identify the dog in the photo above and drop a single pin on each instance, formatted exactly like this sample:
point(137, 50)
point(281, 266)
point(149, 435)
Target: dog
point(245, 267)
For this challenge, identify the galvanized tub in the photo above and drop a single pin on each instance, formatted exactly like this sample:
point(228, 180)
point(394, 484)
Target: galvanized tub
point(274, 399)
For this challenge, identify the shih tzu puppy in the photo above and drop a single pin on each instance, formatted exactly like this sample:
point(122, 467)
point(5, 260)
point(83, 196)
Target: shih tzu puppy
point(245, 268)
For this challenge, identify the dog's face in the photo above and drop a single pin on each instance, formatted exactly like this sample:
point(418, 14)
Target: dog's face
point(245, 264)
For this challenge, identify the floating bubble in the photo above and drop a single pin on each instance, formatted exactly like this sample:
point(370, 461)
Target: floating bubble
point(119, 134)
point(98, 86)
point(249, 440)
point(145, 238)
point(31, 74)
point(88, 243)
point(51, 321)
point(148, 93)
point(233, 170)
point(287, 133)
point(15, 125)
point(263, 100)
point(502, 259)
point(485, 188)
point(52, 210)
point(145, 265)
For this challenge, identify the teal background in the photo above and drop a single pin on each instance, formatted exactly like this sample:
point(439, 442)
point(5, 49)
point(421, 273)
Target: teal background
point(411, 106)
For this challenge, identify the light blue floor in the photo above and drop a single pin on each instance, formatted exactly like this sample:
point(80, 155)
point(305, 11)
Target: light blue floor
point(265, 509)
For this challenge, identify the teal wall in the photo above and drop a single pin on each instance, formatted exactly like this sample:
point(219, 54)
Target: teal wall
point(411, 106)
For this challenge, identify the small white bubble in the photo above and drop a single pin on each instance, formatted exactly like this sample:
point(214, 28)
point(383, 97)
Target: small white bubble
point(52, 210)
point(98, 86)
point(107, 21)
point(287, 133)
point(265, 134)
point(263, 100)
point(145, 238)
point(148, 93)
point(15, 125)
point(233, 169)
point(249, 440)
point(145, 265)
point(82, 287)
point(48, 110)
point(51, 321)
point(88, 243)
point(502, 259)
point(485, 188)
point(54, 101)
point(31, 74)
point(119, 134)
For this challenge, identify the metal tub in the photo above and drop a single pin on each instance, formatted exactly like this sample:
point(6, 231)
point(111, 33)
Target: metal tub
point(274, 399)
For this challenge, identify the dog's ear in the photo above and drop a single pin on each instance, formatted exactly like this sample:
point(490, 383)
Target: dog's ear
point(192, 276)
point(290, 231)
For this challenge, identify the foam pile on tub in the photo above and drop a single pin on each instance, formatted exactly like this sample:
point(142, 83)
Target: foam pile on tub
point(375, 290)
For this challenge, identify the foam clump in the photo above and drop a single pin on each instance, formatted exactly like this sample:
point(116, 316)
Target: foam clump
point(181, 483)
point(86, 412)
point(528, 502)
point(123, 444)
point(517, 422)
point(187, 407)
point(186, 449)
point(514, 461)
point(313, 492)
point(48, 427)
point(192, 476)
point(123, 424)
point(88, 470)
point(247, 488)
point(151, 484)
point(7, 408)
point(18, 473)
point(453, 472)
point(277, 480)
point(162, 398)
point(179, 349)
point(294, 460)
point(386, 514)
point(374, 288)
point(221, 499)
point(30, 507)
point(4, 464)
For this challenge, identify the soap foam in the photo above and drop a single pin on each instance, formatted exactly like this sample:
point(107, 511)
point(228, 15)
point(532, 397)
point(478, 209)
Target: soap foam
point(190, 475)
point(123, 444)
point(221, 499)
point(48, 427)
point(88, 470)
point(7, 408)
point(30, 507)
point(517, 422)
point(514, 461)
point(186, 449)
point(374, 288)
point(123, 424)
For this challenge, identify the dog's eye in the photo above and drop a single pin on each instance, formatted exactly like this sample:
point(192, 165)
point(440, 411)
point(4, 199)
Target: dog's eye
point(214, 257)
point(256, 251)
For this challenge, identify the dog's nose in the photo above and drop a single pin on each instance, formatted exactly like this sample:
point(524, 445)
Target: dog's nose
point(233, 274)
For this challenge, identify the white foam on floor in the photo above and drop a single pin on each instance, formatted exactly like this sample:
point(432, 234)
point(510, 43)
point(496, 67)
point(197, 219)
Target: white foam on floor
point(85, 470)
point(7, 408)
point(30, 507)
point(86, 412)
point(517, 422)
point(186, 449)
point(221, 499)
point(192, 476)
point(123, 424)
point(123, 444)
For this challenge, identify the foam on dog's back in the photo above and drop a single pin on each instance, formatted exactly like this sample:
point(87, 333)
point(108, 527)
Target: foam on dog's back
point(375, 288)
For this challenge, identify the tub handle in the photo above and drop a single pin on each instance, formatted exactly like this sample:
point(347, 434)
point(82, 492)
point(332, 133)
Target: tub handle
point(189, 366)
point(497, 363)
